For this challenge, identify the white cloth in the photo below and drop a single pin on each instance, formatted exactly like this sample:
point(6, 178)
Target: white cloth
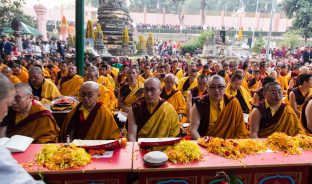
point(11, 171)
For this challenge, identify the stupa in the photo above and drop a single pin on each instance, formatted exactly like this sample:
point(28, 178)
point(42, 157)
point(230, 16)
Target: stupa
point(113, 15)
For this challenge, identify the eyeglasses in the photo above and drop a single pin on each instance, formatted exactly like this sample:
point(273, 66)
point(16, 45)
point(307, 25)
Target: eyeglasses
point(152, 90)
point(19, 98)
point(219, 87)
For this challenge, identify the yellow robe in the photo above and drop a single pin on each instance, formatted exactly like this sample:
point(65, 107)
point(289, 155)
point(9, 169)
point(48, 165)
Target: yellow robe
point(43, 129)
point(107, 97)
point(181, 83)
point(132, 97)
point(23, 76)
point(49, 91)
point(179, 74)
point(281, 80)
point(115, 72)
point(163, 123)
point(105, 81)
point(103, 127)
point(247, 97)
point(111, 81)
point(230, 122)
point(14, 79)
point(288, 123)
point(72, 86)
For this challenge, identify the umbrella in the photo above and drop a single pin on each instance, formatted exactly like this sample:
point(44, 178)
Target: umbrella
point(26, 29)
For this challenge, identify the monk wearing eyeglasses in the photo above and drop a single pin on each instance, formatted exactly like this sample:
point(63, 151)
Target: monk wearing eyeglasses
point(217, 114)
point(271, 115)
point(151, 116)
point(89, 120)
point(28, 118)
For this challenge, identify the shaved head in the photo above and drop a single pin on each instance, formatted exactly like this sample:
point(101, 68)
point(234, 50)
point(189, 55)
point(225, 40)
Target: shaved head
point(35, 70)
point(153, 80)
point(90, 85)
point(25, 88)
point(216, 77)
point(169, 76)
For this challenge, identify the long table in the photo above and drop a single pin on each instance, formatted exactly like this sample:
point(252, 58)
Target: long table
point(112, 170)
point(265, 168)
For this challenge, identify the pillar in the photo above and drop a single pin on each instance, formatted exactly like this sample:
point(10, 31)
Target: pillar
point(144, 15)
point(277, 18)
point(164, 16)
point(80, 36)
point(222, 18)
point(41, 20)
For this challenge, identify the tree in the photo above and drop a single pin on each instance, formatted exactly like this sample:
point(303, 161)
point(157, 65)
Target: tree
point(259, 45)
point(150, 44)
point(300, 11)
point(89, 32)
point(125, 36)
point(10, 9)
point(292, 39)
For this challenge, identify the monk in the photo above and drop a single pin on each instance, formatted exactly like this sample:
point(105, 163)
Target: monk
point(306, 115)
point(299, 94)
point(62, 73)
point(20, 73)
point(198, 92)
point(28, 118)
point(131, 91)
point(280, 79)
point(254, 83)
point(187, 83)
point(70, 85)
point(151, 116)
point(90, 120)
point(104, 72)
point(234, 88)
point(44, 89)
point(178, 72)
point(106, 96)
point(101, 79)
point(147, 72)
point(7, 71)
point(174, 96)
point(218, 114)
point(271, 115)
point(258, 95)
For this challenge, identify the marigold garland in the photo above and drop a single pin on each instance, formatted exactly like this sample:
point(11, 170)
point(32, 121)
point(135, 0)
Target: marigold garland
point(58, 157)
point(184, 152)
point(282, 142)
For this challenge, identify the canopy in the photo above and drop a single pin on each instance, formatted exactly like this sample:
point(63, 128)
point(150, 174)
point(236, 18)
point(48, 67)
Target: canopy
point(26, 29)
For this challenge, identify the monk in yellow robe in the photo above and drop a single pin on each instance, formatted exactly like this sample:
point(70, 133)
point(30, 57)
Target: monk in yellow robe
point(89, 120)
point(70, 85)
point(298, 95)
point(235, 88)
point(29, 118)
point(187, 83)
point(254, 83)
point(271, 115)
point(106, 96)
point(103, 70)
point(21, 74)
point(174, 96)
point(42, 88)
point(131, 91)
point(178, 72)
point(280, 78)
point(151, 116)
point(199, 92)
point(147, 72)
point(7, 71)
point(62, 73)
point(217, 115)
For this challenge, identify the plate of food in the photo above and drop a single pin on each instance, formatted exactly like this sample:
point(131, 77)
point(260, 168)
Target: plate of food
point(96, 144)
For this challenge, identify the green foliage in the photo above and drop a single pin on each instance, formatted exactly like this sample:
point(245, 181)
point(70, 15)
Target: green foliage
point(292, 39)
point(188, 48)
point(10, 9)
point(258, 45)
point(300, 11)
point(125, 36)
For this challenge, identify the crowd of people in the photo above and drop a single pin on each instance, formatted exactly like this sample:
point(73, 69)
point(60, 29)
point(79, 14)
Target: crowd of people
point(158, 96)
point(141, 26)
